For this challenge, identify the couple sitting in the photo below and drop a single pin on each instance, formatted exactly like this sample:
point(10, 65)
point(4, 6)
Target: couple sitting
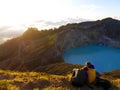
point(87, 75)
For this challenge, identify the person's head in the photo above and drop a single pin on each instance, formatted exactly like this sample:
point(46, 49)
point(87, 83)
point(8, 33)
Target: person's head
point(88, 64)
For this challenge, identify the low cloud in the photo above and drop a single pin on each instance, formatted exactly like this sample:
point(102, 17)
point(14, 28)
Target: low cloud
point(8, 32)
point(42, 24)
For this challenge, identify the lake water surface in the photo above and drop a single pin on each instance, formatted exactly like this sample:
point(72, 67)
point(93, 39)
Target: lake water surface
point(104, 58)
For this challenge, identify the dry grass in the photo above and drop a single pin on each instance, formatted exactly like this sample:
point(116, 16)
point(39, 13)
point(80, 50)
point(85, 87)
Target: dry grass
point(11, 80)
point(116, 82)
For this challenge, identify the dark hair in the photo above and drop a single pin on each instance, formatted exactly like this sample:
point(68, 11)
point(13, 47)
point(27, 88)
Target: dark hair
point(88, 63)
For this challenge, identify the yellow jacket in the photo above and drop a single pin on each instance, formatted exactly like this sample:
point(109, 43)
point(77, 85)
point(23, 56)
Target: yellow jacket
point(91, 75)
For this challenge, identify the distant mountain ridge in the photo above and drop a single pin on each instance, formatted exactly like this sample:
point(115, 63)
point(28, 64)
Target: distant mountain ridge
point(39, 48)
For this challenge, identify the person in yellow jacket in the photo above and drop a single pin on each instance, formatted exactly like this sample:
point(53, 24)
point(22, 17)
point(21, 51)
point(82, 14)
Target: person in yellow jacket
point(91, 72)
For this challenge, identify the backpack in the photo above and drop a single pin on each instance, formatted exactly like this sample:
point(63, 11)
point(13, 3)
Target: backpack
point(103, 83)
point(78, 78)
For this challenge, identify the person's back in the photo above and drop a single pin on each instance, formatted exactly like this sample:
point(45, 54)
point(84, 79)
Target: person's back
point(78, 78)
point(91, 75)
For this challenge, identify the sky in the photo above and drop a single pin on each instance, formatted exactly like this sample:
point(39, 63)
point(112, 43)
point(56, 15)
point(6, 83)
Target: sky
point(17, 15)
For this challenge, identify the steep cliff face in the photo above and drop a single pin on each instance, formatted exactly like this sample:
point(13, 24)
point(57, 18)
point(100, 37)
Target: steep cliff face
point(104, 32)
point(35, 48)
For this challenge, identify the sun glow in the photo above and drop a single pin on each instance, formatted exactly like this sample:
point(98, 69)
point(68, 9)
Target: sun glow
point(44, 14)
point(13, 12)
point(25, 11)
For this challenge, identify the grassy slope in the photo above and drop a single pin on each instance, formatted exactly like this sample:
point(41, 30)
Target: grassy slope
point(14, 80)
point(114, 77)
point(58, 68)
point(28, 49)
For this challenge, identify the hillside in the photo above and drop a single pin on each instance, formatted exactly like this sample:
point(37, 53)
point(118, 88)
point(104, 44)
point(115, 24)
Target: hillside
point(41, 53)
point(40, 48)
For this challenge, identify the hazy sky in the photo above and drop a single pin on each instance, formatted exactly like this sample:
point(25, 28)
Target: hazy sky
point(24, 11)
point(17, 15)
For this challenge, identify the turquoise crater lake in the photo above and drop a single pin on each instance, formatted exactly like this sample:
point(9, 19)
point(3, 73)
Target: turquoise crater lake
point(104, 58)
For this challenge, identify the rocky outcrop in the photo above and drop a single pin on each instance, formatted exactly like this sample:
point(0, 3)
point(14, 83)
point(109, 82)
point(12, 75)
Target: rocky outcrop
point(98, 32)
point(69, 39)
point(36, 48)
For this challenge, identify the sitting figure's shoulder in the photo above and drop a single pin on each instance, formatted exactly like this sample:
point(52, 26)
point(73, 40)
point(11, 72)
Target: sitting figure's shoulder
point(84, 68)
point(91, 66)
